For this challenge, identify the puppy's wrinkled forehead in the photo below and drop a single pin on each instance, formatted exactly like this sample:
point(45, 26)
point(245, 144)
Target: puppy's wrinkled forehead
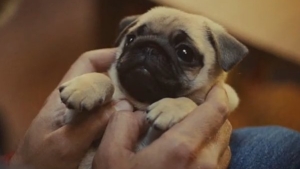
point(167, 21)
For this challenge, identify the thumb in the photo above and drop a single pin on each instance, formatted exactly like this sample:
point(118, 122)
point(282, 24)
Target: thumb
point(121, 134)
point(95, 123)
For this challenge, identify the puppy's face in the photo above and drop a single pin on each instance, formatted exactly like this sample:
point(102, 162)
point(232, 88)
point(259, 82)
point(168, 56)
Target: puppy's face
point(168, 53)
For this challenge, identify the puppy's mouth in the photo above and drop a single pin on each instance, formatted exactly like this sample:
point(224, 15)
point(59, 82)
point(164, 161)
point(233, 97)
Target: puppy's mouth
point(140, 84)
point(147, 72)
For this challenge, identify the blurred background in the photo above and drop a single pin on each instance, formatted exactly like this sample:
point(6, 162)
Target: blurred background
point(39, 40)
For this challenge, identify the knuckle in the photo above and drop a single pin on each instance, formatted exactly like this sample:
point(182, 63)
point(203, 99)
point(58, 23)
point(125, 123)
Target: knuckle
point(181, 150)
point(222, 108)
point(60, 147)
point(184, 150)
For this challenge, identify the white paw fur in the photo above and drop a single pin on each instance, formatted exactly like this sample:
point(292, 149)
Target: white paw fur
point(167, 112)
point(232, 98)
point(87, 91)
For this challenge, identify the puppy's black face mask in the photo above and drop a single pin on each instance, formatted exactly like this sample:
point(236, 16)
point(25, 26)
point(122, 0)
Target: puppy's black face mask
point(152, 65)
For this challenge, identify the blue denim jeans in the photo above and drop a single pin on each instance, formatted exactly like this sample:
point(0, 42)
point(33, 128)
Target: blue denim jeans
point(269, 147)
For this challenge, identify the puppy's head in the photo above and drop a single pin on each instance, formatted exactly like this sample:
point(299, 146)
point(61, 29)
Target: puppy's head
point(169, 53)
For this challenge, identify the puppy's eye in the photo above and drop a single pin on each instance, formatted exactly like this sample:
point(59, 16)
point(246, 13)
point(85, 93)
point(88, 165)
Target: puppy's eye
point(130, 39)
point(185, 53)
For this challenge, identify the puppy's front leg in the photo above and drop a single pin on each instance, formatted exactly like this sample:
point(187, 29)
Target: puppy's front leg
point(167, 112)
point(164, 113)
point(85, 92)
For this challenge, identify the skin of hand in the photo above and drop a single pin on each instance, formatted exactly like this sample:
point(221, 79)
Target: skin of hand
point(50, 146)
point(200, 141)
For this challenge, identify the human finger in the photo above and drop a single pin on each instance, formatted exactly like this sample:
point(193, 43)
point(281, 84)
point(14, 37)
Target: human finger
point(201, 125)
point(119, 140)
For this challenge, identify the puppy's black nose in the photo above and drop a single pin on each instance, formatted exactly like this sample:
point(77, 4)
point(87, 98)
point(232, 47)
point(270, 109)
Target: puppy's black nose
point(150, 51)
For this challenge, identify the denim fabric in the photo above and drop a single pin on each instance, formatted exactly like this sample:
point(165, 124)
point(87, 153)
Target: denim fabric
point(269, 147)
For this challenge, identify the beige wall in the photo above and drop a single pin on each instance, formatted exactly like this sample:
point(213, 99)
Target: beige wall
point(268, 86)
point(271, 25)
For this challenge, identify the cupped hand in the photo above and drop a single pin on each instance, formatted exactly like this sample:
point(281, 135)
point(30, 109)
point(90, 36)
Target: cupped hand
point(47, 145)
point(199, 141)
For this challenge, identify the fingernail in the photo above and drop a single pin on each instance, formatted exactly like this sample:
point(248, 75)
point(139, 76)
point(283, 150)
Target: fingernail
point(123, 106)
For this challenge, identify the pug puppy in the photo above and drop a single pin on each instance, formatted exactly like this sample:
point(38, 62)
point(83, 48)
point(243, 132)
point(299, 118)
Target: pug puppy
point(167, 60)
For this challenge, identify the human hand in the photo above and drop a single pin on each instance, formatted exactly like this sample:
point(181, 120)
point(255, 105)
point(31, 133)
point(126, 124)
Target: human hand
point(199, 141)
point(47, 145)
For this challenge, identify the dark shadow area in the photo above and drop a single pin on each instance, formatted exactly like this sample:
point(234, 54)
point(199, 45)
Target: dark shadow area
point(2, 132)
point(112, 12)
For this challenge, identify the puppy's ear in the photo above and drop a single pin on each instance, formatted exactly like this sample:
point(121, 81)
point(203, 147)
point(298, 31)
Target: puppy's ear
point(125, 22)
point(229, 50)
point(124, 25)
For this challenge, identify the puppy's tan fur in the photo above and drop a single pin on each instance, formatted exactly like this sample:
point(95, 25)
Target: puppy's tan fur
point(87, 90)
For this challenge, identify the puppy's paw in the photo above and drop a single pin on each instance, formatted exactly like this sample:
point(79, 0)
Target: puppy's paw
point(85, 92)
point(164, 113)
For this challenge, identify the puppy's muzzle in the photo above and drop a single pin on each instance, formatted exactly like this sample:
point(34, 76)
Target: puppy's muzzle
point(146, 69)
